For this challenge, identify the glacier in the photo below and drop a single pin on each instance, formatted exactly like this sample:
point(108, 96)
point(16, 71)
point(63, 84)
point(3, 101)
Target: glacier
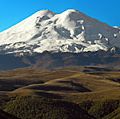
point(70, 31)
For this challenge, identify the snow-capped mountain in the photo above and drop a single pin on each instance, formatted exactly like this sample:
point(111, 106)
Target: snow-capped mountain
point(70, 31)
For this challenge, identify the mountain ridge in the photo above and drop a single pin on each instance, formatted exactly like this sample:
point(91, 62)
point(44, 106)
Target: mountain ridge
point(70, 31)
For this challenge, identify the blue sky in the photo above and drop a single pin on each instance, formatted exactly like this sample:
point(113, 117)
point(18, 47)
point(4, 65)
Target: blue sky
point(13, 11)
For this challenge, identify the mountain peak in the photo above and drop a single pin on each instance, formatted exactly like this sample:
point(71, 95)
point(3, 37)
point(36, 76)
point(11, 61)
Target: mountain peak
point(48, 13)
point(70, 11)
point(70, 31)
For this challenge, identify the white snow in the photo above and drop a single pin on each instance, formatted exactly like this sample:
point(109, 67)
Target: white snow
point(70, 31)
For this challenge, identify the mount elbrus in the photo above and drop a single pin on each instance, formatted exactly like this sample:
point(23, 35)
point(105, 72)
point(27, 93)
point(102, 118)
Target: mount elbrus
point(70, 38)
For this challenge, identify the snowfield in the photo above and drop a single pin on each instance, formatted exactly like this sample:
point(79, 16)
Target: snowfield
point(70, 31)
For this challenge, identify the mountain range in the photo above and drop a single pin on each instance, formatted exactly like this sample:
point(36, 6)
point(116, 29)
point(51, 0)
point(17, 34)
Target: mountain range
point(69, 33)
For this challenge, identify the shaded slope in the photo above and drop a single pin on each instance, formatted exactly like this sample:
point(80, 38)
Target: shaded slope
point(48, 60)
point(4, 115)
point(43, 108)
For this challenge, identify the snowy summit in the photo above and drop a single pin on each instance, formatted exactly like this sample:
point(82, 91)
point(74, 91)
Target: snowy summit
point(70, 31)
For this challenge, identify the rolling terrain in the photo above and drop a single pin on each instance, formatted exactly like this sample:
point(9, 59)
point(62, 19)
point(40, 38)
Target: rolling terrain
point(84, 92)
